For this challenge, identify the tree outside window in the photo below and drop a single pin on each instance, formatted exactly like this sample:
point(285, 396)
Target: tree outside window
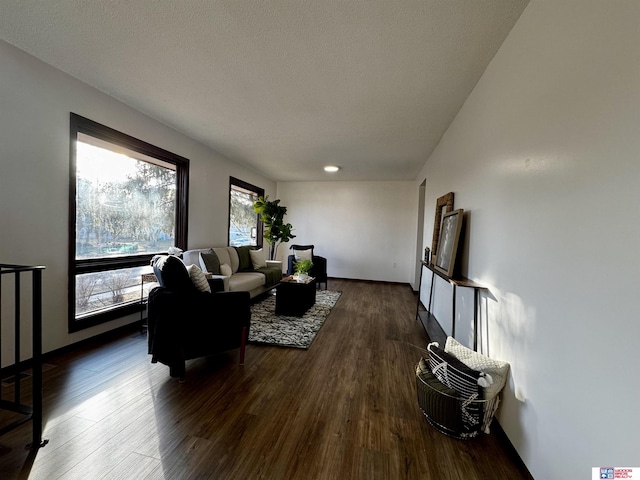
point(128, 203)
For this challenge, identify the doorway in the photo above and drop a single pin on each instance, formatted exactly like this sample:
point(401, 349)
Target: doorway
point(420, 237)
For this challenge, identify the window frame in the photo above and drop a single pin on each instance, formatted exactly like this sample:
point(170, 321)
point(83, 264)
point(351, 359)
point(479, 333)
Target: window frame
point(233, 181)
point(82, 125)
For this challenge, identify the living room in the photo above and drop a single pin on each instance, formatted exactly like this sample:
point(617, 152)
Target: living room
point(544, 144)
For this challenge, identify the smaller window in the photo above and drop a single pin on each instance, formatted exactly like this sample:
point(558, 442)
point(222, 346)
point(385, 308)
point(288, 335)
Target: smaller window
point(244, 223)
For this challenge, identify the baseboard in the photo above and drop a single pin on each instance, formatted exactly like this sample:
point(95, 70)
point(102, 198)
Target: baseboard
point(383, 282)
point(496, 429)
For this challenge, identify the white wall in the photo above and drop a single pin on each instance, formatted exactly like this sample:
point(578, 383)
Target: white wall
point(544, 157)
point(362, 228)
point(35, 101)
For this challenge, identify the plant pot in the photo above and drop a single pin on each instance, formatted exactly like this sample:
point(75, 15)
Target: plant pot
point(301, 277)
point(274, 264)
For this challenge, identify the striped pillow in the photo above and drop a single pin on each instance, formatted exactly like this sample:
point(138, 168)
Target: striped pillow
point(467, 382)
point(497, 369)
point(455, 374)
point(198, 278)
point(438, 402)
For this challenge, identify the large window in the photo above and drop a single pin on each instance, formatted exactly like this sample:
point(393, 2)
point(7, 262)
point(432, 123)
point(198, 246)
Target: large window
point(244, 223)
point(128, 202)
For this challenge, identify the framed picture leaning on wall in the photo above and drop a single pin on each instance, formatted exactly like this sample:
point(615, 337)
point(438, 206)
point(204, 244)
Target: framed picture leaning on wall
point(445, 261)
point(444, 204)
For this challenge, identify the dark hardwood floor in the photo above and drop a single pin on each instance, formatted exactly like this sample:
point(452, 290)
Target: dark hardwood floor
point(344, 409)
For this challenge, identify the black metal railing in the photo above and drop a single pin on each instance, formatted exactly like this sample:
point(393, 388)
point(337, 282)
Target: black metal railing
point(15, 376)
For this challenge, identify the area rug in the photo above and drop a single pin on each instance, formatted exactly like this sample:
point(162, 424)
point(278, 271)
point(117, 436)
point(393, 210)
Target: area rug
point(284, 331)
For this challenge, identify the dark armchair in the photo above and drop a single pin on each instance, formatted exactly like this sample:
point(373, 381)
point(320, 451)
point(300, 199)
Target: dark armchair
point(185, 323)
point(319, 269)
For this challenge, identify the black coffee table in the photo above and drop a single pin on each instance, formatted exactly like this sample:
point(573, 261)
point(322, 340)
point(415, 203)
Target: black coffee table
point(293, 298)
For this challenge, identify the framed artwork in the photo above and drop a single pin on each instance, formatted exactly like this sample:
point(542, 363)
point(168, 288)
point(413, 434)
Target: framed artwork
point(445, 203)
point(445, 260)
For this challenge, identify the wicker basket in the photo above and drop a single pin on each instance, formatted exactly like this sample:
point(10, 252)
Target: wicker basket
point(452, 415)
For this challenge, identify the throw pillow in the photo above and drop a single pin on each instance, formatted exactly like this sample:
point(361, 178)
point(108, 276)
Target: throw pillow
point(497, 369)
point(439, 403)
point(225, 270)
point(172, 274)
point(198, 278)
point(257, 259)
point(453, 373)
point(210, 262)
point(422, 367)
point(303, 254)
point(244, 258)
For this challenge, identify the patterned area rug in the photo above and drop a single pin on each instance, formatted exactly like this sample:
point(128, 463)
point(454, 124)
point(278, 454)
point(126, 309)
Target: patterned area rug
point(297, 332)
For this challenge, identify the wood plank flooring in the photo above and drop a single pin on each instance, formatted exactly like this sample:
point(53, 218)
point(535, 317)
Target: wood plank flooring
point(344, 409)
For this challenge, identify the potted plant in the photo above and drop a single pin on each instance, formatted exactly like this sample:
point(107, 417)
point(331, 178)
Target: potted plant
point(275, 230)
point(303, 267)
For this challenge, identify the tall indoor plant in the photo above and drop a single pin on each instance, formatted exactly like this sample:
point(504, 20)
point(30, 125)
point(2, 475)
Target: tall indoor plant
point(275, 230)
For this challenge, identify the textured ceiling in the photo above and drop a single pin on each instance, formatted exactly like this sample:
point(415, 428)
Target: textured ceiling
point(284, 87)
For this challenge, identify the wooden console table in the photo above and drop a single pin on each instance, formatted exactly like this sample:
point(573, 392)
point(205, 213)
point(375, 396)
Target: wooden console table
point(431, 325)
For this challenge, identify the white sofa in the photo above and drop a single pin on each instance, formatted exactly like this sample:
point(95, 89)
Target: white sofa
point(252, 282)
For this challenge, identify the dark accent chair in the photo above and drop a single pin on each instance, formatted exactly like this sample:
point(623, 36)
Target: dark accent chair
point(319, 269)
point(185, 323)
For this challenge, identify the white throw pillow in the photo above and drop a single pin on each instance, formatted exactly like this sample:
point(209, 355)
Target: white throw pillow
point(225, 270)
point(198, 278)
point(257, 258)
point(303, 254)
point(477, 361)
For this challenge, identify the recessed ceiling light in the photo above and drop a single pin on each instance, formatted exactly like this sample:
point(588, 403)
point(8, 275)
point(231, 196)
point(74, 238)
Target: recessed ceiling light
point(331, 168)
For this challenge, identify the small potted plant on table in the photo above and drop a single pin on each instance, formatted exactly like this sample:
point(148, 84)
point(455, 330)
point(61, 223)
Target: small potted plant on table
point(303, 267)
